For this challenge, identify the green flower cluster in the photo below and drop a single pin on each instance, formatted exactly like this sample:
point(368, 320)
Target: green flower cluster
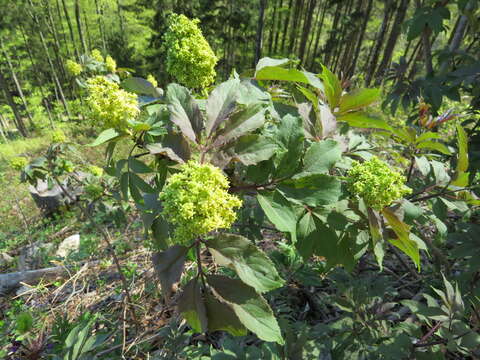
point(110, 64)
point(97, 55)
point(73, 68)
point(376, 183)
point(196, 201)
point(18, 163)
point(152, 80)
point(190, 58)
point(111, 106)
point(95, 170)
point(58, 136)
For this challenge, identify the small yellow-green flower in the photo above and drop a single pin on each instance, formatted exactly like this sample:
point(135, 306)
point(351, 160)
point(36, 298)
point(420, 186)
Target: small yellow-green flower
point(68, 166)
point(97, 55)
point(95, 170)
point(376, 183)
point(73, 68)
point(18, 163)
point(111, 106)
point(58, 136)
point(196, 200)
point(190, 59)
point(110, 64)
point(152, 80)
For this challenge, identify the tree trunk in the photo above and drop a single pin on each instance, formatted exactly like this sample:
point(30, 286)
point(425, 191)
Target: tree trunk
point(427, 51)
point(89, 38)
point(79, 26)
point(375, 53)
point(53, 30)
point(312, 38)
point(36, 72)
point(277, 27)
point(353, 31)
point(17, 83)
point(8, 96)
point(64, 37)
point(361, 36)
point(392, 40)
point(3, 128)
point(272, 29)
point(341, 43)
point(120, 18)
point(455, 40)
point(319, 33)
point(101, 25)
point(259, 41)
point(285, 25)
point(70, 29)
point(329, 46)
point(296, 21)
point(306, 29)
point(47, 54)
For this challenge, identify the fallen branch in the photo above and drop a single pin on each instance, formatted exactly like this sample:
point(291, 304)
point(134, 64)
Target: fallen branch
point(10, 281)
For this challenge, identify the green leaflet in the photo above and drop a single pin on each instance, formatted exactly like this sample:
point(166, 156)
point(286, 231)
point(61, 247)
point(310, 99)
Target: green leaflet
point(184, 111)
point(252, 265)
point(403, 241)
point(279, 211)
point(105, 136)
point(222, 317)
point(321, 156)
point(168, 266)
point(358, 99)
point(250, 307)
point(363, 120)
point(312, 190)
point(192, 306)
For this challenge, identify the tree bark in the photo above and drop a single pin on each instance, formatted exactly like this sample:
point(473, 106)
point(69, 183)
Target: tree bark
point(79, 26)
point(87, 28)
point(427, 51)
point(17, 83)
point(70, 29)
point(272, 29)
point(330, 45)
point(53, 30)
point(64, 37)
point(340, 44)
point(259, 41)
point(375, 54)
point(3, 128)
point(47, 54)
point(278, 26)
point(120, 18)
point(36, 72)
point(285, 25)
point(319, 33)
point(456, 40)
point(392, 40)
point(353, 32)
point(296, 20)
point(361, 36)
point(306, 29)
point(8, 96)
point(101, 25)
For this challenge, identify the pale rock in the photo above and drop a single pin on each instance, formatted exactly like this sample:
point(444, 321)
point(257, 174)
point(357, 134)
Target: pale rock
point(71, 243)
point(5, 259)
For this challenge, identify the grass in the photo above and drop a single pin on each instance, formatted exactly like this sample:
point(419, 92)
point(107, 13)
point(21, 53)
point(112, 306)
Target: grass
point(20, 217)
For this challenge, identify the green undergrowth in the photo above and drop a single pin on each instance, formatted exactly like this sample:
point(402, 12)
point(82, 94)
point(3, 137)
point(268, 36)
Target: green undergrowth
point(18, 209)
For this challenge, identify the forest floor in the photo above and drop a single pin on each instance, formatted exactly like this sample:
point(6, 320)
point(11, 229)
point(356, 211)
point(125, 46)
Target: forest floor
point(90, 283)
